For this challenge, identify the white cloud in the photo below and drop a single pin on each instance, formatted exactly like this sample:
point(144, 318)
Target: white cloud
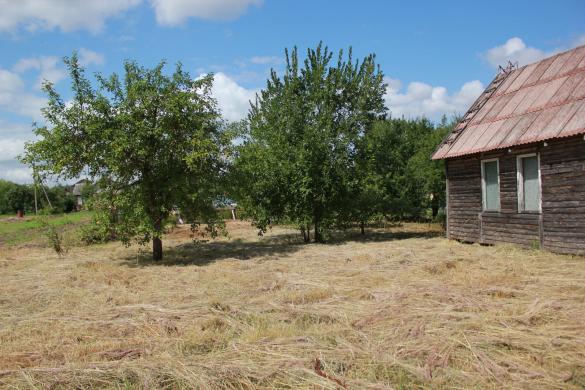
point(15, 98)
point(232, 98)
point(48, 66)
point(10, 148)
point(45, 65)
point(90, 57)
point(266, 60)
point(72, 15)
point(421, 99)
point(176, 12)
point(514, 50)
point(18, 174)
point(13, 130)
point(12, 139)
point(66, 15)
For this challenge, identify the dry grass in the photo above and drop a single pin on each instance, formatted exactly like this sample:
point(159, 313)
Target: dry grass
point(403, 309)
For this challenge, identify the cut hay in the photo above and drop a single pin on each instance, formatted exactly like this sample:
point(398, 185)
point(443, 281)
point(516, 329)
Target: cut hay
point(400, 308)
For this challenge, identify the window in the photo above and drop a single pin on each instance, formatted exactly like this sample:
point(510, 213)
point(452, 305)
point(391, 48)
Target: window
point(490, 185)
point(528, 183)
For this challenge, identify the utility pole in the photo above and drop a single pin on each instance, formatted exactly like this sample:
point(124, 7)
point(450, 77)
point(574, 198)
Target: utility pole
point(35, 186)
point(46, 196)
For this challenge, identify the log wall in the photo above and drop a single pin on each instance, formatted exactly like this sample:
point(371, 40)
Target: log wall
point(560, 227)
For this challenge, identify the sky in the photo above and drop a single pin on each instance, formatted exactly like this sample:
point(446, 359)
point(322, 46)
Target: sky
point(437, 57)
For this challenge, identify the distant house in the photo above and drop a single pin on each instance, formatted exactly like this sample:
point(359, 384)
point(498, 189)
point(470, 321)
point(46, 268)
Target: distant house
point(77, 191)
point(515, 163)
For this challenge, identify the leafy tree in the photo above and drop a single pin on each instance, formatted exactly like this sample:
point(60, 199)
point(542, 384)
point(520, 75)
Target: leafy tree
point(5, 187)
point(61, 199)
point(19, 197)
point(397, 178)
point(297, 159)
point(150, 141)
point(374, 186)
point(428, 176)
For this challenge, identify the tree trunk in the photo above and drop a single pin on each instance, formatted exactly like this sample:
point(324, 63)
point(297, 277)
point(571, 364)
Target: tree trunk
point(318, 233)
point(303, 233)
point(435, 206)
point(306, 232)
point(157, 249)
point(362, 228)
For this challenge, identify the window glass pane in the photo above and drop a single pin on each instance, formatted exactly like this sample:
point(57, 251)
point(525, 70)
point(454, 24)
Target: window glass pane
point(531, 185)
point(492, 186)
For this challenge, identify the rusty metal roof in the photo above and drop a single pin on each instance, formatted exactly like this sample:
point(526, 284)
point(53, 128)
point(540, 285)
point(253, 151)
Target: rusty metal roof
point(536, 102)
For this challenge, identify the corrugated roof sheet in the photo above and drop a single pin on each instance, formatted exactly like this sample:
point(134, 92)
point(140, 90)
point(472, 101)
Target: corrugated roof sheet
point(534, 103)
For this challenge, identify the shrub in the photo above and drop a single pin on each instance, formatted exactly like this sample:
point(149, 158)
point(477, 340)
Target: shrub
point(53, 235)
point(100, 230)
point(94, 233)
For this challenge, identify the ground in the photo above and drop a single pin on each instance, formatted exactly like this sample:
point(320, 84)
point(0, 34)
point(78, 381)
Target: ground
point(401, 308)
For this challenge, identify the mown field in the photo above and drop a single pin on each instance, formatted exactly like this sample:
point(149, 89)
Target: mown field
point(401, 308)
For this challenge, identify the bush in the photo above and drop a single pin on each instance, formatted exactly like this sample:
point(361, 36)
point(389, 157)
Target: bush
point(98, 231)
point(53, 235)
point(93, 234)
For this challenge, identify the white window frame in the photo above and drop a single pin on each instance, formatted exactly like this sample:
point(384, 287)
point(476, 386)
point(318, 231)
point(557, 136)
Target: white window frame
point(520, 183)
point(483, 187)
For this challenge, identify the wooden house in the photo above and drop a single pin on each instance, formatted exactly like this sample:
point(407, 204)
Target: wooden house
point(77, 192)
point(515, 163)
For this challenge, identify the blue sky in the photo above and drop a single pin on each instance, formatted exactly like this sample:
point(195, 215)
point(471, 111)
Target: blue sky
point(437, 56)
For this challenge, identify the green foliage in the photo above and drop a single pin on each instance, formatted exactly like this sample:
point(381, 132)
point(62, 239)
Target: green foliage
point(62, 200)
point(88, 192)
point(15, 197)
point(319, 153)
point(316, 151)
point(101, 229)
point(396, 177)
point(298, 154)
point(5, 187)
point(19, 197)
point(149, 141)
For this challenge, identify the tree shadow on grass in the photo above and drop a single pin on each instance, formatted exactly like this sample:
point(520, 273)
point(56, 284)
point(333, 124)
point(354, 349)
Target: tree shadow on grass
point(378, 235)
point(204, 253)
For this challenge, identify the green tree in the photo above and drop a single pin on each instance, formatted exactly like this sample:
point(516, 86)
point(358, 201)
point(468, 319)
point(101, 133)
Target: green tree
point(61, 199)
point(397, 178)
point(5, 187)
point(20, 197)
point(150, 141)
point(428, 176)
point(297, 159)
